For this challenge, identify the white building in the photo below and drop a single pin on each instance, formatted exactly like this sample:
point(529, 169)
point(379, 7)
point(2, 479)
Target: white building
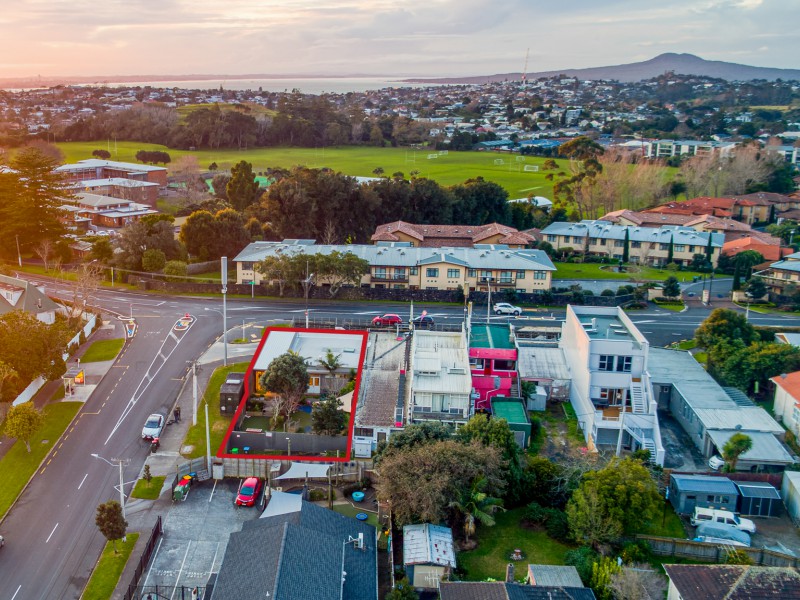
point(610, 391)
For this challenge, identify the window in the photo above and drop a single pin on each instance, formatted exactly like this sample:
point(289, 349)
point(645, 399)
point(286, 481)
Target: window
point(454, 273)
point(520, 274)
point(575, 239)
point(471, 272)
point(624, 364)
point(313, 381)
point(247, 266)
point(486, 275)
point(619, 244)
point(796, 414)
point(664, 247)
point(505, 277)
point(691, 249)
point(680, 248)
point(552, 238)
point(540, 274)
point(380, 273)
point(636, 244)
point(602, 241)
point(503, 365)
point(399, 273)
point(606, 362)
point(414, 270)
point(429, 272)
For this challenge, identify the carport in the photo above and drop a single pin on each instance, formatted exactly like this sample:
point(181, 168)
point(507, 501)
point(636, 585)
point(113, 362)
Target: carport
point(758, 499)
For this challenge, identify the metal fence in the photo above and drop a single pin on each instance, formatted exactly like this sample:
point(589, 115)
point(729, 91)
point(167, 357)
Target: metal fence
point(144, 559)
point(177, 592)
point(715, 553)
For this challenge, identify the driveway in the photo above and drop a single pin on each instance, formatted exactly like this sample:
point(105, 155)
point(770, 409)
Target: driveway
point(680, 453)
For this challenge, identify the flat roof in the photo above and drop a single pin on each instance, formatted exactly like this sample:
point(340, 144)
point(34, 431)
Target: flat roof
point(757, 489)
point(602, 327)
point(766, 447)
point(542, 362)
point(491, 336)
point(310, 345)
point(510, 409)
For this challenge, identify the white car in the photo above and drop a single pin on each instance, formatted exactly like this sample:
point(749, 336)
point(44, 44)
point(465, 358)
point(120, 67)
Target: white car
point(504, 308)
point(153, 426)
point(715, 463)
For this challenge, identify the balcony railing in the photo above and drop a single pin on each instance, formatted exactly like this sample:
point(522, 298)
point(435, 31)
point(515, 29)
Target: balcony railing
point(389, 277)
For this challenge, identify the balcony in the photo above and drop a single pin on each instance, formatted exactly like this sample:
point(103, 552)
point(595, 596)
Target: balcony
point(396, 277)
point(505, 282)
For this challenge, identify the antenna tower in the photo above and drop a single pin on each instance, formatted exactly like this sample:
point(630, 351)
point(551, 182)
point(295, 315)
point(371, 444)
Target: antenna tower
point(524, 78)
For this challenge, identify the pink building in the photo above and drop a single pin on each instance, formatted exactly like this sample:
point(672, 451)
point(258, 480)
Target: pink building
point(493, 363)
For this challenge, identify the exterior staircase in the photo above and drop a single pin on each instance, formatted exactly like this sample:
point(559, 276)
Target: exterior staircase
point(638, 402)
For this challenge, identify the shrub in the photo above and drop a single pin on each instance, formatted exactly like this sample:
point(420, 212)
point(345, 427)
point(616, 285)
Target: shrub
point(557, 525)
point(582, 559)
point(607, 292)
point(535, 513)
point(635, 552)
point(176, 269)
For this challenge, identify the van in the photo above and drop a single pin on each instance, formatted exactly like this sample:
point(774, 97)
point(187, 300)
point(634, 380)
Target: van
point(726, 517)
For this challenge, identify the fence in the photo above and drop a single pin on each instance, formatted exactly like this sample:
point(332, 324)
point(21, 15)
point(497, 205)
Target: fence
point(714, 553)
point(133, 592)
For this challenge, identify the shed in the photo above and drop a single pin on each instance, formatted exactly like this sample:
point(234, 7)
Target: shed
point(428, 554)
point(688, 491)
point(513, 411)
point(759, 499)
point(230, 394)
point(790, 493)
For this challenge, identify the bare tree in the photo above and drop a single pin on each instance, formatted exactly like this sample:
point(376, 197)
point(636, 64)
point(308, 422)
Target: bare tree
point(638, 582)
point(329, 235)
point(43, 250)
point(84, 289)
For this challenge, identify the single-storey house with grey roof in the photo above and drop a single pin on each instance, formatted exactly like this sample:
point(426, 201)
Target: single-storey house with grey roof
point(428, 554)
point(398, 265)
point(688, 491)
point(710, 414)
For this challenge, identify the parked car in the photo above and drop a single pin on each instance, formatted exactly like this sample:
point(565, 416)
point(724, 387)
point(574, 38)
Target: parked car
point(715, 515)
point(423, 322)
point(716, 462)
point(387, 320)
point(719, 533)
point(153, 426)
point(504, 308)
point(249, 491)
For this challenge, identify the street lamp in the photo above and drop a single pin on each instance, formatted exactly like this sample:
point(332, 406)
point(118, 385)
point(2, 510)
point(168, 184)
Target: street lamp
point(224, 277)
point(224, 332)
point(120, 462)
point(488, 279)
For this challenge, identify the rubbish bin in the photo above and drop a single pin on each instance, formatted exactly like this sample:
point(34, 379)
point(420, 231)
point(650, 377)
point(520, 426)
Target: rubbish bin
point(178, 493)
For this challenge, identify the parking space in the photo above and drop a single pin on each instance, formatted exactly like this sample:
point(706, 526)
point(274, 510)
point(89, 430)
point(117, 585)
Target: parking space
point(195, 535)
point(776, 533)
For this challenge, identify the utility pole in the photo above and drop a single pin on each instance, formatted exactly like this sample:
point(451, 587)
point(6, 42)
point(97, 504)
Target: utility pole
point(194, 392)
point(224, 276)
point(19, 255)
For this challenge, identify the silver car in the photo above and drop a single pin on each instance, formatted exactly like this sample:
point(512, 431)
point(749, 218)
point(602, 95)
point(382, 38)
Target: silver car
point(504, 308)
point(153, 426)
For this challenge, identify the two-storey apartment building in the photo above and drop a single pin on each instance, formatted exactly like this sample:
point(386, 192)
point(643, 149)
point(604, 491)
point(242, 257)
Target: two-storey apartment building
point(401, 266)
point(783, 276)
point(438, 236)
point(607, 360)
point(646, 245)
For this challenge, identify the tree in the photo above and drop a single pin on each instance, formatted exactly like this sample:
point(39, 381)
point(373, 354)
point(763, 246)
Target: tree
point(672, 288)
point(327, 418)
point(737, 444)
point(199, 234)
point(745, 261)
point(153, 260)
point(22, 422)
point(110, 522)
point(331, 363)
point(101, 154)
point(637, 582)
point(671, 250)
point(102, 250)
point(403, 590)
point(756, 288)
point(176, 270)
point(619, 498)
point(476, 506)
point(421, 482)
point(416, 434)
point(286, 376)
point(626, 248)
point(7, 373)
point(242, 189)
point(43, 346)
point(581, 148)
point(491, 432)
point(340, 268)
point(725, 325)
point(602, 571)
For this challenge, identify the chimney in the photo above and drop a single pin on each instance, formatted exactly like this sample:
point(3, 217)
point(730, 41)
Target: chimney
point(510, 573)
point(783, 376)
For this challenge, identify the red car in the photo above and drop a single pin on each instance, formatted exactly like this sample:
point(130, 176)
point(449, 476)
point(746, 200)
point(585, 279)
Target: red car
point(248, 493)
point(387, 320)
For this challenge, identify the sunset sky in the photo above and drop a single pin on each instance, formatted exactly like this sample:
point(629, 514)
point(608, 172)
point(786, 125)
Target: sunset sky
point(383, 37)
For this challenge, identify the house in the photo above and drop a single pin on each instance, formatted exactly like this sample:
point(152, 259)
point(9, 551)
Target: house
point(646, 245)
point(787, 398)
point(130, 181)
point(428, 554)
point(783, 276)
point(499, 590)
point(451, 236)
point(771, 252)
point(669, 148)
point(312, 552)
point(607, 358)
point(439, 384)
point(711, 414)
point(790, 494)
point(398, 265)
point(554, 576)
point(105, 211)
point(731, 582)
point(546, 367)
point(705, 491)
point(18, 294)
point(492, 361)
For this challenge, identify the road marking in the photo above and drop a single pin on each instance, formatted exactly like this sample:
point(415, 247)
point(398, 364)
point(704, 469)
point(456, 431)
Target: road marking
point(82, 480)
point(213, 489)
point(153, 562)
point(181, 571)
point(51, 533)
point(17, 592)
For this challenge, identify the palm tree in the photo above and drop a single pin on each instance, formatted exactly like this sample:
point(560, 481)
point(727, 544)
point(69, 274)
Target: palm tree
point(331, 363)
point(476, 506)
point(736, 445)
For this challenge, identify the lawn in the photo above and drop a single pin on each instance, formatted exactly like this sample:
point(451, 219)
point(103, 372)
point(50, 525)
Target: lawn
point(351, 511)
point(687, 344)
point(673, 306)
point(103, 350)
point(18, 466)
point(667, 524)
point(572, 424)
point(495, 545)
point(196, 436)
point(605, 271)
point(449, 169)
point(109, 568)
point(148, 490)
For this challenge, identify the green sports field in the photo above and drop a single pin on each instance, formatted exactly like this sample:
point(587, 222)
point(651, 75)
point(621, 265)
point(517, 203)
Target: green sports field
point(358, 161)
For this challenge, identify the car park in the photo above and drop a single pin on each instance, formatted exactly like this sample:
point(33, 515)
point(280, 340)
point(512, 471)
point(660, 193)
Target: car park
point(153, 426)
point(387, 320)
point(423, 322)
point(249, 492)
point(504, 308)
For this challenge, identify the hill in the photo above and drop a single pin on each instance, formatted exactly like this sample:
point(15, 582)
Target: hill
point(685, 64)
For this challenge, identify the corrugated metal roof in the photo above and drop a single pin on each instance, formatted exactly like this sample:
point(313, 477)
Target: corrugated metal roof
point(428, 544)
point(705, 483)
point(766, 447)
point(757, 489)
point(536, 362)
point(610, 231)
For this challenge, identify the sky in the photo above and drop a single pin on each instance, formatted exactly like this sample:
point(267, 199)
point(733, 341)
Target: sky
point(383, 37)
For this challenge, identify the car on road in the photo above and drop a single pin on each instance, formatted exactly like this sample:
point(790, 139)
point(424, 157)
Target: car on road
point(716, 462)
point(504, 308)
point(387, 320)
point(153, 426)
point(249, 491)
point(423, 322)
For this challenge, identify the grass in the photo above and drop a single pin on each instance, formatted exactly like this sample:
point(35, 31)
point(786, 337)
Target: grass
point(687, 344)
point(701, 357)
point(604, 271)
point(148, 490)
point(196, 435)
point(573, 431)
point(673, 306)
point(455, 167)
point(349, 510)
point(18, 466)
point(495, 545)
point(103, 350)
point(672, 525)
point(109, 568)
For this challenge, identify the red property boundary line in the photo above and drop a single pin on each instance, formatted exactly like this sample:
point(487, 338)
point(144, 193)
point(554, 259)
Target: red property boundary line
point(248, 374)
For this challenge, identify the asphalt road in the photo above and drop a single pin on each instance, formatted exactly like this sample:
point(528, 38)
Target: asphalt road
point(52, 541)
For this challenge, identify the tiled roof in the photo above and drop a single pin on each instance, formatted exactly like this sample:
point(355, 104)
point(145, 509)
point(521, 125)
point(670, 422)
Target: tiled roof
point(768, 251)
point(734, 582)
point(450, 235)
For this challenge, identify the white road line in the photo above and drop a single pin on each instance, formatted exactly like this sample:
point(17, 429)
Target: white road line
point(17, 592)
point(82, 480)
point(213, 489)
point(214, 561)
point(153, 561)
point(181, 571)
point(51, 533)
